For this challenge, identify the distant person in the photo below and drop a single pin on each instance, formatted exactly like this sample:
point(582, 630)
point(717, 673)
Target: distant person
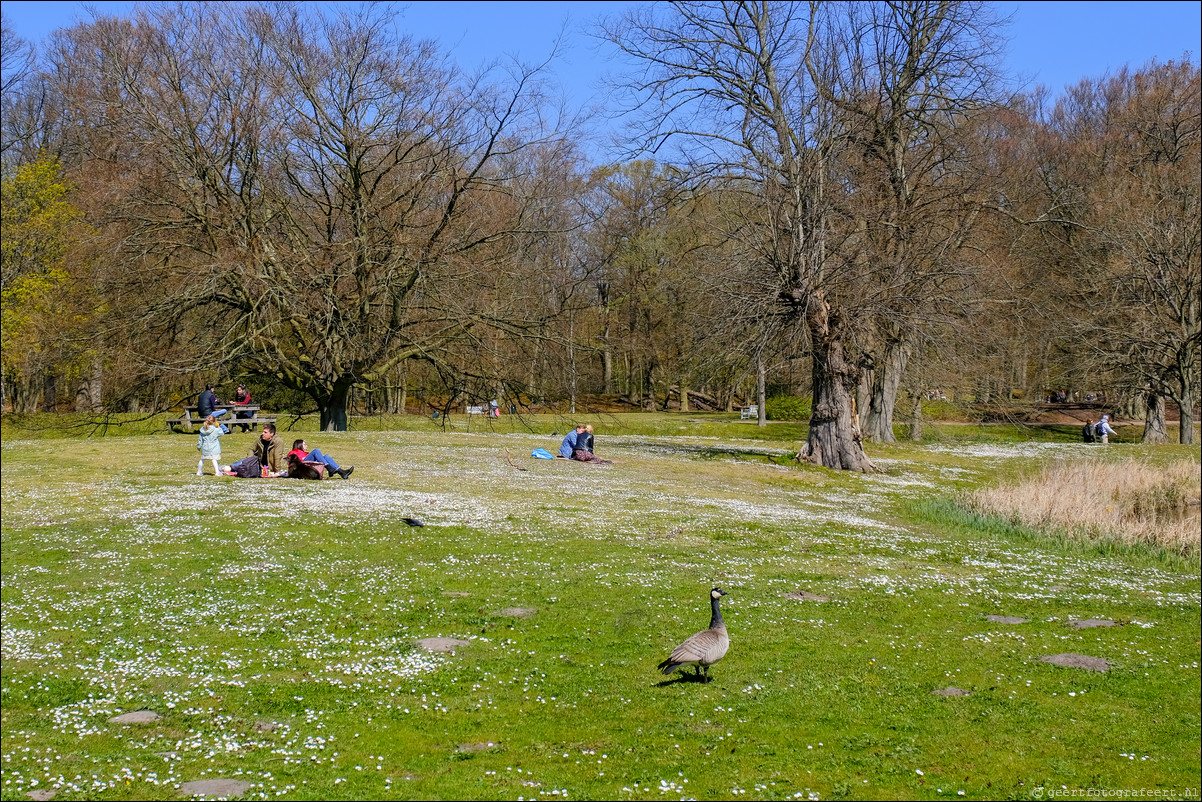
point(208, 404)
point(242, 398)
point(209, 445)
point(584, 451)
point(301, 452)
point(571, 442)
point(1088, 434)
point(1104, 431)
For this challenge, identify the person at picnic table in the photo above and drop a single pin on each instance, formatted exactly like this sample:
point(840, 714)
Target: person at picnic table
point(207, 404)
point(242, 398)
point(301, 452)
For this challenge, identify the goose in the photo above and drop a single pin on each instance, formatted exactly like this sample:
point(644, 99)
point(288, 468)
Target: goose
point(705, 648)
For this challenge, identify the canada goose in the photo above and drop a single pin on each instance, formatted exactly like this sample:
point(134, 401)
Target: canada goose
point(706, 647)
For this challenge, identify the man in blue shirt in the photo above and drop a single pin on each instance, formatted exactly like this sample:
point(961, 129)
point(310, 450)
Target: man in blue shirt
point(570, 442)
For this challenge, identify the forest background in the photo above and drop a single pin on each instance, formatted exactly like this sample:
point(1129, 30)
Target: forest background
point(845, 206)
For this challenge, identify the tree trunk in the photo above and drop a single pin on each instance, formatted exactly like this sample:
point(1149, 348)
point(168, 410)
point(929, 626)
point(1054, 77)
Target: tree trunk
point(333, 408)
point(49, 392)
point(1186, 403)
point(760, 399)
point(95, 387)
point(886, 378)
point(1155, 432)
point(684, 397)
point(834, 441)
point(916, 416)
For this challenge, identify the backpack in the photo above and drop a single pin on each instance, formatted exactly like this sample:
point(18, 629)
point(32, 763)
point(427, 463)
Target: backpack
point(1097, 429)
point(247, 468)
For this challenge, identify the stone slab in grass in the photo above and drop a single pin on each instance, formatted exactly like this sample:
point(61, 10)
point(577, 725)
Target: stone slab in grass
point(516, 612)
point(442, 644)
point(218, 787)
point(456, 593)
point(41, 794)
point(1090, 623)
point(469, 749)
point(950, 692)
point(1007, 619)
point(1070, 660)
point(136, 717)
point(805, 595)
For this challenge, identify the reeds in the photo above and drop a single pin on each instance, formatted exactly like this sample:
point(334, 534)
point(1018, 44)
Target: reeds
point(1126, 502)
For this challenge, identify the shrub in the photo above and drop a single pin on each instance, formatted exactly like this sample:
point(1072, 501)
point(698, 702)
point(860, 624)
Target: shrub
point(787, 407)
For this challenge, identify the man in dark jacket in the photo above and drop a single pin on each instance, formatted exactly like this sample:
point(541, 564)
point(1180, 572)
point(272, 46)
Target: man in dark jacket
point(208, 403)
point(270, 449)
point(1087, 432)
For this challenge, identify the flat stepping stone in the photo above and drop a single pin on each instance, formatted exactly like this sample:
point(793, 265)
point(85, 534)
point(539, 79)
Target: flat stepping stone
point(950, 692)
point(1070, 660)
point(442, 644)
point(1090, 623)
point(266, 726)
point(517, 612)
point(805, 595)
point(136, 717)
point(457, 593)
point(469, 749)
point(226, 788)
point(1007, 619)
point(41, 794)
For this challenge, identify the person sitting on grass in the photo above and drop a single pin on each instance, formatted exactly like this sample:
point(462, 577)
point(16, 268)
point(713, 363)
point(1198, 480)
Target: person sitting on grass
point(571, 441)
point(301, 452)
point(269, 449)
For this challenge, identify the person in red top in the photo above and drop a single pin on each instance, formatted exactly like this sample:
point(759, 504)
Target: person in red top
point(242, 396)
point(299, 450)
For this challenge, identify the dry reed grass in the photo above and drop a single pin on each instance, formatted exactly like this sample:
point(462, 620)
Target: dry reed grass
point(1125, 502)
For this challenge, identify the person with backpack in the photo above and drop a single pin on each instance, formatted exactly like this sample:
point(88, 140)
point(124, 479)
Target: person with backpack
point(1104, 431)
point(1087, 432)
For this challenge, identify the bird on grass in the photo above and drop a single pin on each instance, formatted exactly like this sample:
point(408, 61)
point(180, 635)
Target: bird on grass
point(703, 649)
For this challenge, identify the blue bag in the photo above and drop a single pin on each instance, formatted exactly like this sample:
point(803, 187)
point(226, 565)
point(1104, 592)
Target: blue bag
point(542, 453)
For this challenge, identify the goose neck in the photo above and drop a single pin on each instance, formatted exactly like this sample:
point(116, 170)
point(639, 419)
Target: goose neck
point(715, 614)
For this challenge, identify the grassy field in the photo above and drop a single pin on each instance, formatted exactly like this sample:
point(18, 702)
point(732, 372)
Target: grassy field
point(273, 624)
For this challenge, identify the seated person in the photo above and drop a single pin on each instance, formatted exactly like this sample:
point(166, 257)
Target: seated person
point(299, 450)
point(242, 398)
point(208, 404)
point(269, 448)
point(571, 442)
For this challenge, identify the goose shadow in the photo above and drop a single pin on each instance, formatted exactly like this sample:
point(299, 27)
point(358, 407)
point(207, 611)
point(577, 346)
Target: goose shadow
point(682, 677)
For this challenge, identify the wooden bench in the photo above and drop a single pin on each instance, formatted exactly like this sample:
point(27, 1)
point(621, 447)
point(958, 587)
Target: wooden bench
point(191, 418)
point(473, 410)
point(752, 411)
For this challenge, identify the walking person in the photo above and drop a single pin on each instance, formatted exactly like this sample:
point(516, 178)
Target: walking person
point(1104, 430)
point(1088, 434)
point(209, 444)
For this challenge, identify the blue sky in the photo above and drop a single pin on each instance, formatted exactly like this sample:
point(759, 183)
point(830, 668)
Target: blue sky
point(1052, 43)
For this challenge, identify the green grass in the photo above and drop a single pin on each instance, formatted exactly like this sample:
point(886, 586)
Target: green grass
point(272, 624)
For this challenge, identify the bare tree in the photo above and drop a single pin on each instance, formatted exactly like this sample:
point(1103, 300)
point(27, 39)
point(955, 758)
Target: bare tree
point(319, 196)
point(731, 80)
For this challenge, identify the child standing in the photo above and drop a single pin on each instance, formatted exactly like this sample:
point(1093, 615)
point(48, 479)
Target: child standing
point(209, 444)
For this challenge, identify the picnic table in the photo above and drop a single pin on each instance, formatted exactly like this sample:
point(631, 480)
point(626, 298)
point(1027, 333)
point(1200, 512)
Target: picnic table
point(191, 417)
